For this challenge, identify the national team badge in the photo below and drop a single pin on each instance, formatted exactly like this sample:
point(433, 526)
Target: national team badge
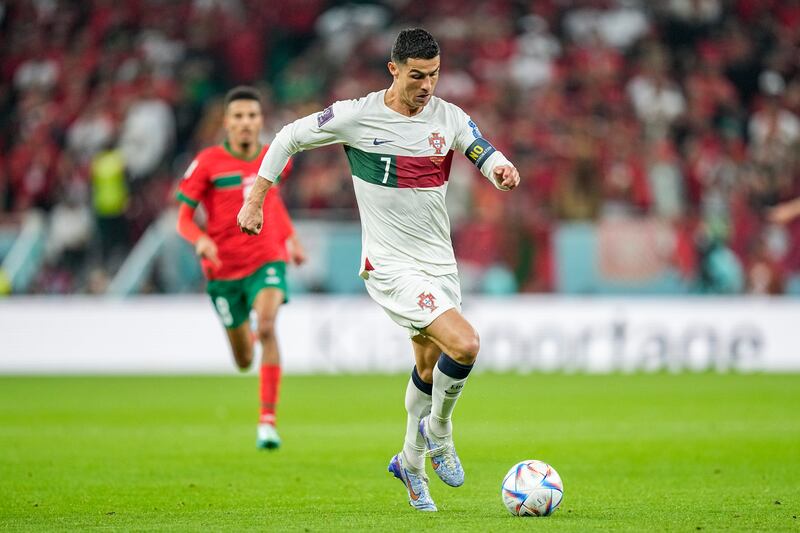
point(437, 141)
point(427, 301)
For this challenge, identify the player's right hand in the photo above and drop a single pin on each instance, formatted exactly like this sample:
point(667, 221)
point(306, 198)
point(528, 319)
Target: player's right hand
point(250, 218)
point(207, 249)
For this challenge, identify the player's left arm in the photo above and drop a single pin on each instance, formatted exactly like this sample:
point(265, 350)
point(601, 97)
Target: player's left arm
point(297, 254)
point(489, 160)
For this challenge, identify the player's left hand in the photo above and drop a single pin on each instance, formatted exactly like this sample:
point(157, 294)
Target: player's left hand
point(296, 252)
point(506, 177)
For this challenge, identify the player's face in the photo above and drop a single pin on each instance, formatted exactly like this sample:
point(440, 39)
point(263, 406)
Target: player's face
point(415, 80)
point(243, 122)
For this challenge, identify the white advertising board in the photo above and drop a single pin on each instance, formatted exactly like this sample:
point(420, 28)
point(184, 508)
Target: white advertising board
point(169, 334)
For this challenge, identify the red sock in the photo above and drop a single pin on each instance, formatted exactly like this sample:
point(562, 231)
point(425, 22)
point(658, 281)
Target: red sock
point(270, 383)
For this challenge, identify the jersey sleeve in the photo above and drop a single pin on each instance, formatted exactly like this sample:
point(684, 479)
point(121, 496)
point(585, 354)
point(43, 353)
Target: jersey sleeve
point(280, 178)
point(329, 126)
point(194, 184)
point(478, 150)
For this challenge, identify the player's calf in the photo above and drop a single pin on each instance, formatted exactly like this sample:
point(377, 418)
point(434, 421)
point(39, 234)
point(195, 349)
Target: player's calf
point(243, 357)
point(241, 343)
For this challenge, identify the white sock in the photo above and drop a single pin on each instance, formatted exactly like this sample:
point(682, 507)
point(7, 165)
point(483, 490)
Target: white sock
point(418, 405)
point(449, 378)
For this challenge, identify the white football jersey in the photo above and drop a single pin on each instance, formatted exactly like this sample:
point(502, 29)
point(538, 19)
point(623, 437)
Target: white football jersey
point(400, 167)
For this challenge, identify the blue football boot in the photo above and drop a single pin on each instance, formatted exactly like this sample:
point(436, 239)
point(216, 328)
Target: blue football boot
point(416, 484)
point(444, 458)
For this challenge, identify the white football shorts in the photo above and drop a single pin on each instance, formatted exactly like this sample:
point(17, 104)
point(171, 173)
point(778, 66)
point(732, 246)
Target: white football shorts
point(414, 299)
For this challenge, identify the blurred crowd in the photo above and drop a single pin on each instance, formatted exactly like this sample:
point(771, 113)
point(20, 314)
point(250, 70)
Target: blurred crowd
point(681, 111)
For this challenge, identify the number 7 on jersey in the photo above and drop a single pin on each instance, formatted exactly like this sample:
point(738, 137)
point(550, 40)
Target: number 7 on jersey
point(388, 165)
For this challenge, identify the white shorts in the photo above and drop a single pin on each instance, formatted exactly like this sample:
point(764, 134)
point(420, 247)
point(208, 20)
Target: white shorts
point(414, 299)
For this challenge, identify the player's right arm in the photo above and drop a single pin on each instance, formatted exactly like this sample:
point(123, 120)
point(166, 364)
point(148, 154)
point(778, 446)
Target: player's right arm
point(204, 246)
point(192, 188)
point(329, 126)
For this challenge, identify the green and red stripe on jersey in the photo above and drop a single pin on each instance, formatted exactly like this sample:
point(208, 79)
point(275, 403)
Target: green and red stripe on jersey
point(227, 180)
point(399, 171)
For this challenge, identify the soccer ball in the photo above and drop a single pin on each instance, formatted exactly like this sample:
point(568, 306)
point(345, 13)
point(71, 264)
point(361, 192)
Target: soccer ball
point(532, 488)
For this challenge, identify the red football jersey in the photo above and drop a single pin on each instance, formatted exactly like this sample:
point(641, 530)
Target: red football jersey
point(221, 180)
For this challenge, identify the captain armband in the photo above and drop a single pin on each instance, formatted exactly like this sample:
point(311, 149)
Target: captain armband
point(479, 151)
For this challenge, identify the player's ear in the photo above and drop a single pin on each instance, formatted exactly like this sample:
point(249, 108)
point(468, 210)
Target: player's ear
point(393, 69)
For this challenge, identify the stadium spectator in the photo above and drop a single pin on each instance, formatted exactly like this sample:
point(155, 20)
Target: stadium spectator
point(71, 229)
point(93, 129)
point(110, 197)
point(690, 106)
point(657, 99)
point(147, 132)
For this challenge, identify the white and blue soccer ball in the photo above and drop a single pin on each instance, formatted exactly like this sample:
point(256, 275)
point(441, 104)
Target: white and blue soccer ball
point(532, 488)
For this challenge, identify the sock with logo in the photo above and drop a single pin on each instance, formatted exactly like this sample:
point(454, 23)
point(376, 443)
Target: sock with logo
point(418, 405)
point(449, 377)
point(270, 383)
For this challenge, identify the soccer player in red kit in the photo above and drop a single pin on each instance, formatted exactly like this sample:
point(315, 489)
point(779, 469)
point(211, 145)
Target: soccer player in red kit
point(243, 273)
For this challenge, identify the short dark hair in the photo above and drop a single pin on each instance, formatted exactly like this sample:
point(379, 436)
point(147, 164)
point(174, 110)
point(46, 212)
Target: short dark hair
point(242, 92)
point(414, 43)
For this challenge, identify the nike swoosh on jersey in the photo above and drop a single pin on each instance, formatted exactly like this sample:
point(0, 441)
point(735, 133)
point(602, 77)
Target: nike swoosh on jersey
point(377, 141)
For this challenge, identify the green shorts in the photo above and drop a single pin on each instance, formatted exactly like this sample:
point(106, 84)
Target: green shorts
point(233, 298)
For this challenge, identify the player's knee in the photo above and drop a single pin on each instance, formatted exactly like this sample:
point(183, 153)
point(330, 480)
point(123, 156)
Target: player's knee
point(266, 329)
point(426, 374)
point(465, 350)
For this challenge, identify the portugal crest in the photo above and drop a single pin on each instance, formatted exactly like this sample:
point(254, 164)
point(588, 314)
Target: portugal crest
point(437, 142)
point(427, 301)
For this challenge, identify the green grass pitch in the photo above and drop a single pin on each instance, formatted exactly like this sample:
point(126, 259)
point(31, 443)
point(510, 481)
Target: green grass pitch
point(637, 453)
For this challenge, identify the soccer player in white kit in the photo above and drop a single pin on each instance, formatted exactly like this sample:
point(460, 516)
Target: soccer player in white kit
point(400, 143)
